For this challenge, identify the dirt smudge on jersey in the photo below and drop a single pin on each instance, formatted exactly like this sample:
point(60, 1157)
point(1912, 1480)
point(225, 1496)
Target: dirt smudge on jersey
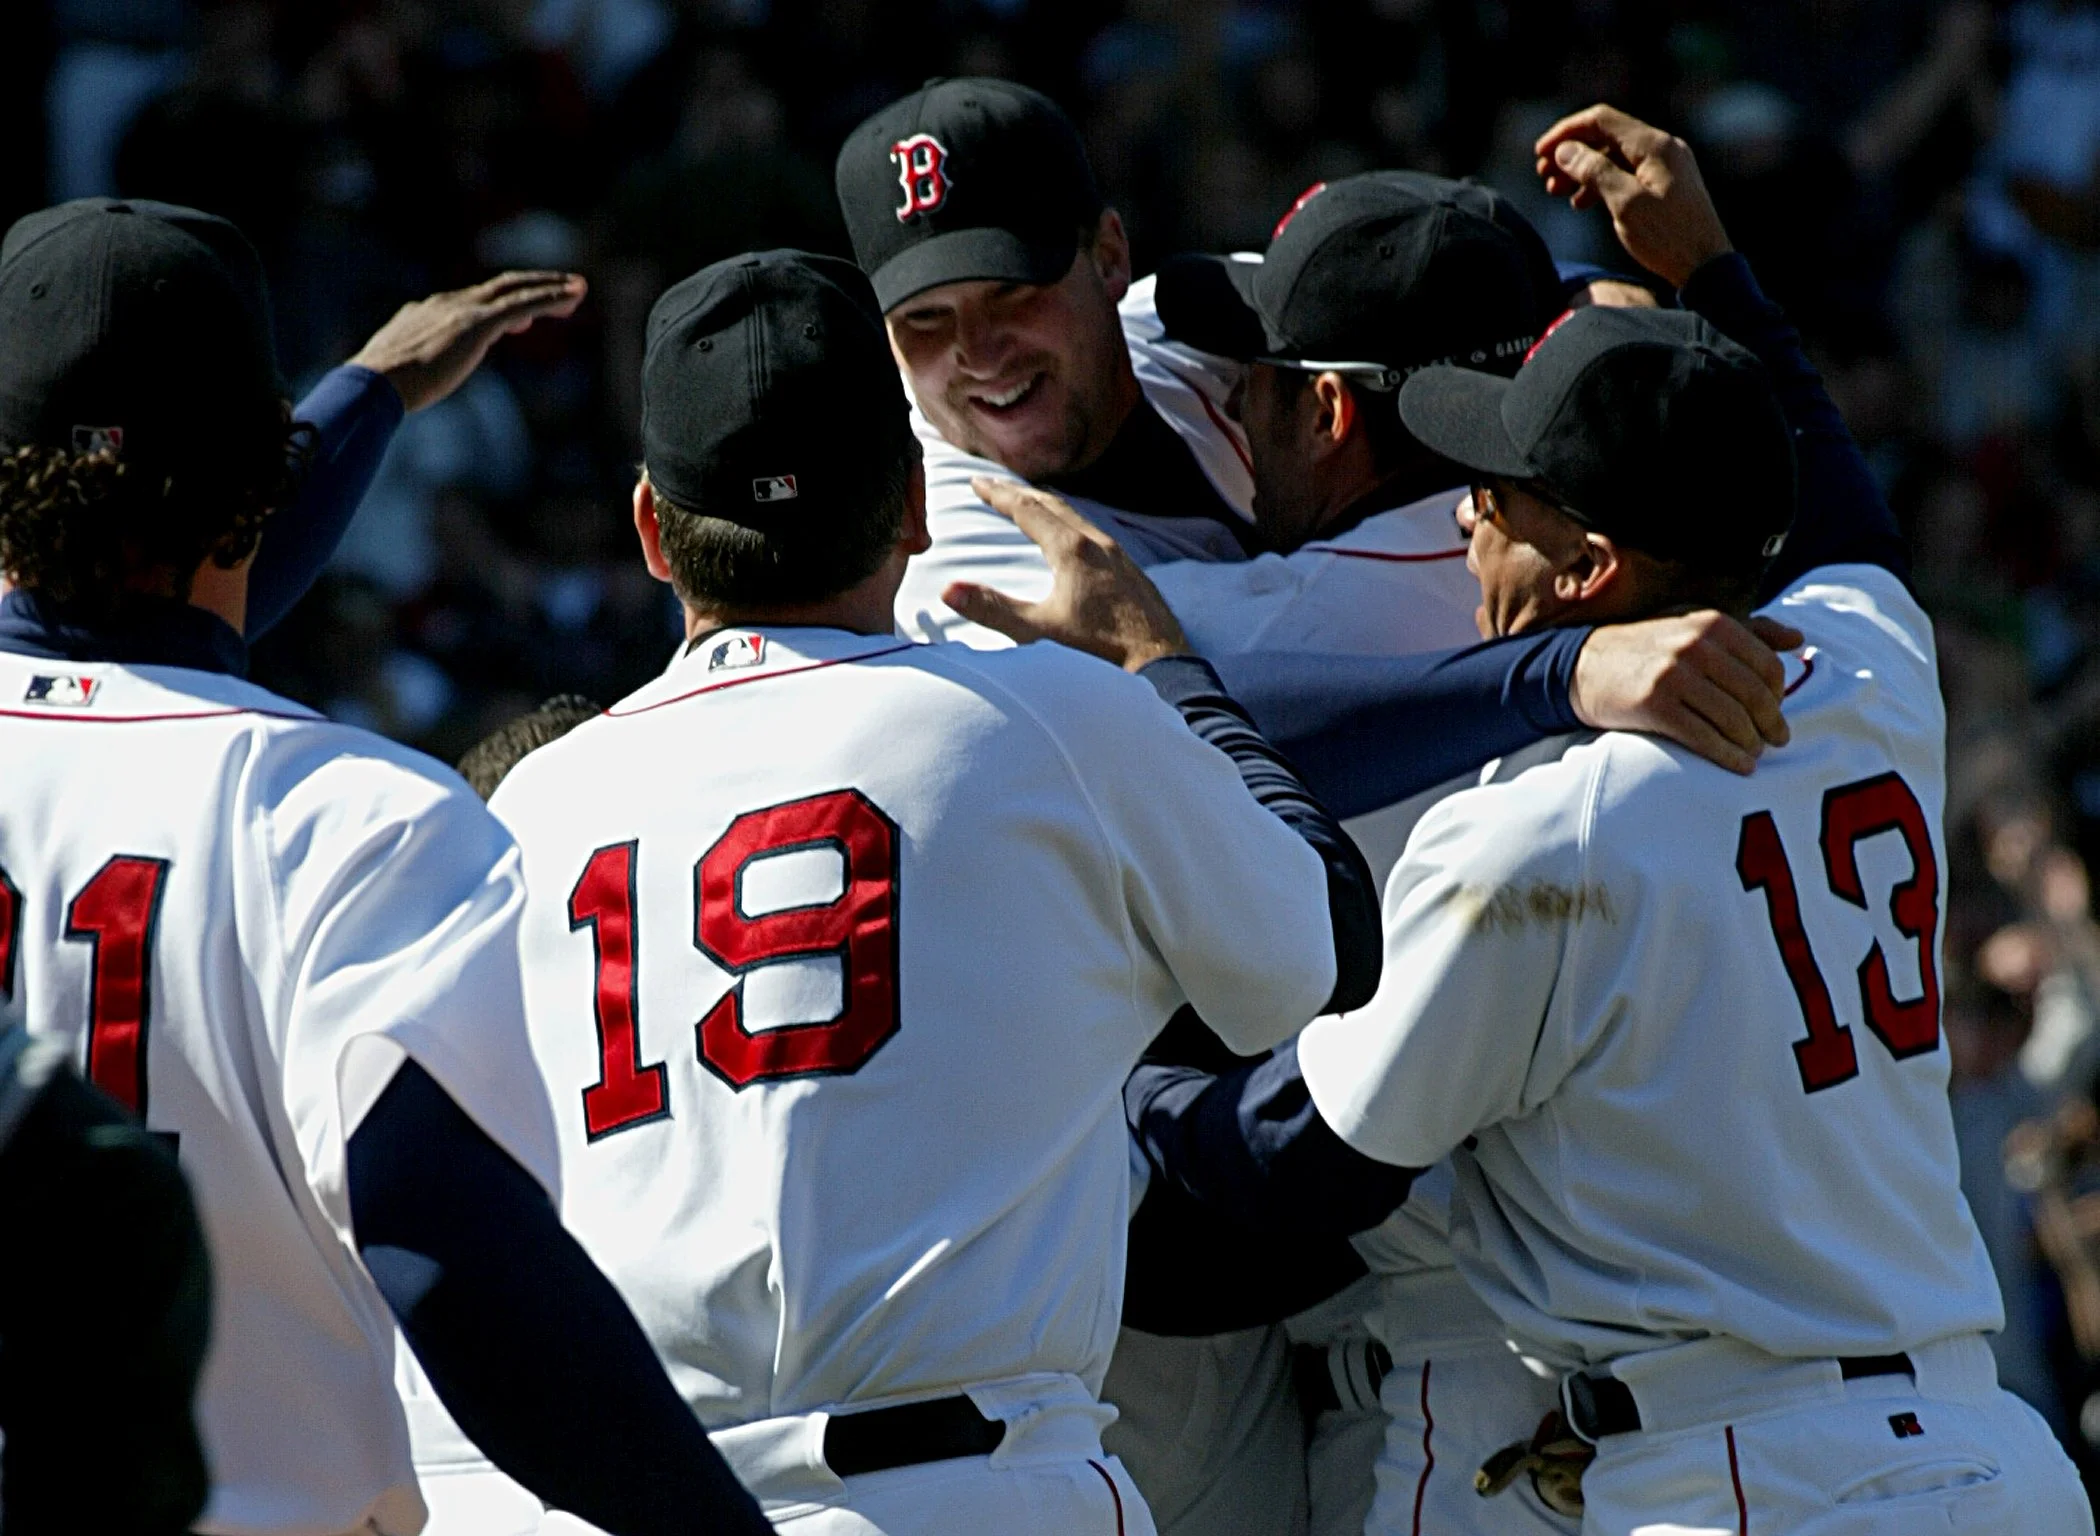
point(1510, 908)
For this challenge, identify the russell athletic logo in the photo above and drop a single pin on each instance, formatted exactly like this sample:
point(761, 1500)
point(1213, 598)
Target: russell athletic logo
point(61, 690)
point(922, 170)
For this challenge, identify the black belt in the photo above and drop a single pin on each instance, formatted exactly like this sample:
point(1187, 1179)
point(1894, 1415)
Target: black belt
point(1603, 1405)
point(905, 1436)
point(1312, 1370)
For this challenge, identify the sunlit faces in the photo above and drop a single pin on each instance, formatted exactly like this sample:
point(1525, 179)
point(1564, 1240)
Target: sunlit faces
point(1528, 555)
point(1036, 377)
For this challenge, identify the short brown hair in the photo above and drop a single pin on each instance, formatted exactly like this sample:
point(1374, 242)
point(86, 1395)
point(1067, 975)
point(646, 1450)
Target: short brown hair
point(724, 565)
point(489, 761)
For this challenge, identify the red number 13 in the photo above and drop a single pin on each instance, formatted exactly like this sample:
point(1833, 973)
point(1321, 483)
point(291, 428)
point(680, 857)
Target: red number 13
point(1851, 814)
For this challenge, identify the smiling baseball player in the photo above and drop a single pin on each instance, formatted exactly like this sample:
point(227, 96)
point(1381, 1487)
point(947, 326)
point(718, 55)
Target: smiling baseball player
point(1031, 353)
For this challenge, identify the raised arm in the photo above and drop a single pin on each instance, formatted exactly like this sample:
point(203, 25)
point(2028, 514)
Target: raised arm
point(1650, 183)
point(416, 359)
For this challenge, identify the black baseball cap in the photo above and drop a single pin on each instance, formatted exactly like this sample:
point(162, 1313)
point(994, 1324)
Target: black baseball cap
point(769, 391)
point(965, 181)
point(1648, 425)
point(136, 325)
point(1390, 271)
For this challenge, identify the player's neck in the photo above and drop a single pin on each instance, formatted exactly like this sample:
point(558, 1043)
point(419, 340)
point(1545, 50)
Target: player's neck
point(868, 609)
point(222, 593)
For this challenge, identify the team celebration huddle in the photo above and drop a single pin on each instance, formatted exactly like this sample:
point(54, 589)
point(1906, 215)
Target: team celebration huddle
point(1297, 895)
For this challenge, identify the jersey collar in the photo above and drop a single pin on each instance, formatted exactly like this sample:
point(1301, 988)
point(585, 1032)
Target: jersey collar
point(150, 631)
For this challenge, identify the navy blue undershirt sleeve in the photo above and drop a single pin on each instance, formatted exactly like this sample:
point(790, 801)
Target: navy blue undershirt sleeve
point(1843, 517)
point(1192, 687)
point(528, 1344)
point(1367, 731)
point(354, 413)
point(1251, 1142)
point(1251, 1202)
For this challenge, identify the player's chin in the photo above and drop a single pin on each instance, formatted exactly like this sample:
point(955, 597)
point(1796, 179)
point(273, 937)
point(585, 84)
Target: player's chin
point(1032, 439)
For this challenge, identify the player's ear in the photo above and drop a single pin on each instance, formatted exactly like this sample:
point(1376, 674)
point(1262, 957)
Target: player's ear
point(1596, 567)
point(915, 540)
point(1334, 412)
point(649, 531)
point(1111, 254)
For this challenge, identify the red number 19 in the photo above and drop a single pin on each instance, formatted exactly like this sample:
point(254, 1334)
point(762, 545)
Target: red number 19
point(858, 927)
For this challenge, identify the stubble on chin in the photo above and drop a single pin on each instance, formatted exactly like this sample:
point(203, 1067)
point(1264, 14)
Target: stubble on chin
point(1041, 456)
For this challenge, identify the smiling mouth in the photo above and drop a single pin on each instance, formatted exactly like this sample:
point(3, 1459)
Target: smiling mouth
point(1005, 402)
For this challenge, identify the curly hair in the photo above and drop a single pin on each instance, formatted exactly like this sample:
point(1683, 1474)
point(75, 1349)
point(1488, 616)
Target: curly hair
point(89, 529)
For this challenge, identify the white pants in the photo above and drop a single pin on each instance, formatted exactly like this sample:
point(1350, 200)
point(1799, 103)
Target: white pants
point(965, 1497)
point(1801, 1452)
point(1341, 1460)
point(1210, 1429)
point(1444, 1417)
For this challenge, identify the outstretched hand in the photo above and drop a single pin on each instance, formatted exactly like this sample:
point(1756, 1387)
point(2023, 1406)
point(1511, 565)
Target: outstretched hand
point(1647, 179)
point(1703, 680)
point(1099, 602)
point(433, 345)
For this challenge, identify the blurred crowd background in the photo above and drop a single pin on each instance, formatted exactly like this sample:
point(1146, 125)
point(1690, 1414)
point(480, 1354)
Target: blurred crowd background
point(1918, 180)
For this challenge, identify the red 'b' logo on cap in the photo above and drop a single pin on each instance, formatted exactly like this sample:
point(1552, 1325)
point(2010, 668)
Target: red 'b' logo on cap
point(922, 170)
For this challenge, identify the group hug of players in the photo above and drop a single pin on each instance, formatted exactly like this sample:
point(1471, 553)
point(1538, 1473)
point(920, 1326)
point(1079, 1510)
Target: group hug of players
point(1417, 1010)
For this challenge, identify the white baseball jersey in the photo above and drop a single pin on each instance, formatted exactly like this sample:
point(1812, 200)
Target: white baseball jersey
point(1394, 585)
point(838, 952)
point(240, 917)
point(1682, 1028)
point(971, 542)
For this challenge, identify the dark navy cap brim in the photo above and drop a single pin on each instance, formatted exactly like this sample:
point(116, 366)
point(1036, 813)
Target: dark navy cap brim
point(1457, 412)
point(983, 255)
point(1207, 302)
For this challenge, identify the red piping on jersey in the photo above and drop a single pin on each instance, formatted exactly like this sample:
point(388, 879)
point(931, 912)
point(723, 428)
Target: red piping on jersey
point(1428, 1455)
point(1113, 1492)
point(762, 677)
point(1380, 554)
point(1808, 670)
point(1735, 1476)
point(1224, 428)
point(201, 714)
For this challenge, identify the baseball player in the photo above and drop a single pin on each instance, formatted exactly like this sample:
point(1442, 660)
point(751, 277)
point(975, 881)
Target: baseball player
point(287, 946)
point(973, 209)
point(104, 1306)
point(841, 947)
point(1788, 1338)
point(1459, 1395)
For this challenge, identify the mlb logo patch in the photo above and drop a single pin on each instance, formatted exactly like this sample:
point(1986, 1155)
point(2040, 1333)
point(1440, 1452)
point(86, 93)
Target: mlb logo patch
point(1905, 1425)
point(774, 488)
point(62, 690)
point(97, 439)
point(736, 652)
